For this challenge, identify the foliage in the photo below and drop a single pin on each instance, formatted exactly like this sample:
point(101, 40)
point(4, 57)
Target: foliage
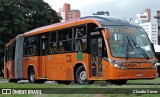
point(38, 13)
point(19, 16)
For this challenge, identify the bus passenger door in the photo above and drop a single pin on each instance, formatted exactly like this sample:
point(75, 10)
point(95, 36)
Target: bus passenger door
point(96, 57)
point(43, 46)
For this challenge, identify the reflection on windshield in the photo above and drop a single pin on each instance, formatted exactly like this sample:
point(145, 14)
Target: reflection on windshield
point(129, 42)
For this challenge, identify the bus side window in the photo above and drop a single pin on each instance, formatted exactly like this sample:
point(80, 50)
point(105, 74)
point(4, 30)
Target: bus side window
point(60, 47)
point(80, 36)
point(100, 46)
point(30, 46)
point(52, 48)
point(64, 43)
point(65, 34)
point(80, 32)
point(64, 46)
point(53, 43)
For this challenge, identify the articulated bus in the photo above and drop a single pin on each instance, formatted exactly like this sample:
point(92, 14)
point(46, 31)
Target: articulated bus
point(83, 50)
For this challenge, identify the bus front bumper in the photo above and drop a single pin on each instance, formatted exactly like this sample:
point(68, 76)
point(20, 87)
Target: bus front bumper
point(133, 74)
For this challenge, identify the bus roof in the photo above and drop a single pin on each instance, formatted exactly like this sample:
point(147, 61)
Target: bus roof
point(61, 25)
point(99, 20)
point(11, 41)
point(110, 21)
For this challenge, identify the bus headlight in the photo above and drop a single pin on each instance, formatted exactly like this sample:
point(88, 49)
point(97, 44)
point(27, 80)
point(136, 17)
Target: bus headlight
point(118, 66)
point(154, 66)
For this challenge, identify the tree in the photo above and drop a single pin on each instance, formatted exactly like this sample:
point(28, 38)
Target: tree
point(12, 23)
point(38, 13)
point(19, 16)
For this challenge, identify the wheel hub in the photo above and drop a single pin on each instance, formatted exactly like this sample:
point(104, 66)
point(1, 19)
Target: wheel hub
point(32, 77)
point(82, 76)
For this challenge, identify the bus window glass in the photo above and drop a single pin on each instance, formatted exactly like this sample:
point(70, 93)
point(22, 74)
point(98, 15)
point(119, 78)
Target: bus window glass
point(30, 41)
point(129, 42)
point(64, 46)
point(67, 46)
point(52, 48)
point(30, 46)
point(80, 36)
point(53, 37)
point(80, 44)
point(60, 47)
point(30, 51)
point(65, 34)
point(94, 43)
point(100, 46)
point(80, 32)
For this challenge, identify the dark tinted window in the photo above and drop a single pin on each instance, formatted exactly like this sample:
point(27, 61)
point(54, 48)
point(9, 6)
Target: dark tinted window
point(64, 46)
point(79, 44)
point(30, 46)
point(80, 38)
point(53, 37)
point(65, 34)
point(80, 32)
point(64, 43)
point(52, 48)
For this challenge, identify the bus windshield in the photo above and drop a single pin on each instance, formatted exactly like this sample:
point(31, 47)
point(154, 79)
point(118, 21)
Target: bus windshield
point(129, 42)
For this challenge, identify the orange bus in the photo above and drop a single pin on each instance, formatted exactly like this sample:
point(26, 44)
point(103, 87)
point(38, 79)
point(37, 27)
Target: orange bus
point(84, 50)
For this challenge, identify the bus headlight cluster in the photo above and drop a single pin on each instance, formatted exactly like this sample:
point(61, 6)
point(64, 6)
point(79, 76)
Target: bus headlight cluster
point(118, 66)
point(154, 66)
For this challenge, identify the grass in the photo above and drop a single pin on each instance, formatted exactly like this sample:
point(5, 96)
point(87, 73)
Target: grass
point(149, 81)
point(98, 84)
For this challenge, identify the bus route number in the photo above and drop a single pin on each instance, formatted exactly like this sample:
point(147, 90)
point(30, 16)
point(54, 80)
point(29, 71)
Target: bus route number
point(131, 65)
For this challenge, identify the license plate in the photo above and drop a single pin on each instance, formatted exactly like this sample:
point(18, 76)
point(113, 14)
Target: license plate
point(139, 74)
point(132, 65)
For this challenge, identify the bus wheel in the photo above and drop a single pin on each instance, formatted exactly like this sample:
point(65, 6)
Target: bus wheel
point(31, 76)
point(80, 76)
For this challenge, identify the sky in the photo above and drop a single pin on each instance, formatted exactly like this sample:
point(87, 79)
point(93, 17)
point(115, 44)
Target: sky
point(119, 8)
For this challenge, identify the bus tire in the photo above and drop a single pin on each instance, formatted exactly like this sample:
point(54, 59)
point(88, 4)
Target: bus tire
point(31, 76)
point(80, 76)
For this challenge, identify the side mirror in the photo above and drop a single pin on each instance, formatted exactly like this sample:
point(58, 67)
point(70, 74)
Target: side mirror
point(105, 30)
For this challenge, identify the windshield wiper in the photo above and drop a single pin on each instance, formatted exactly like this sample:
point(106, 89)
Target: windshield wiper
point(138, 47)
point(128, 44)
